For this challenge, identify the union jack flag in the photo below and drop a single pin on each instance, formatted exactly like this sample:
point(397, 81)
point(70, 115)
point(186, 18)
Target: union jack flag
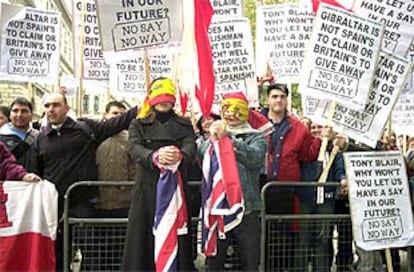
point(170, 218)
point(222, 196)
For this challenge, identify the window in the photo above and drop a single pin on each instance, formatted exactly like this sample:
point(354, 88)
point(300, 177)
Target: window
point(96, 104)
point(85, 103)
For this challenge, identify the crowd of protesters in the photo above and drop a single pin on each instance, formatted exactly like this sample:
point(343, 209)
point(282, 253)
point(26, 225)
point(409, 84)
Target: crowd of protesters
point(142, 144)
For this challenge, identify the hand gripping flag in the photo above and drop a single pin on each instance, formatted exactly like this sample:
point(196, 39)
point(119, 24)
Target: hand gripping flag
point(170, 217)
point(28, 223)
point(222, 196)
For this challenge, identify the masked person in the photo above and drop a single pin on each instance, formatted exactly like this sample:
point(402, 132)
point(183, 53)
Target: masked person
point(249, 147)
point(163, 146)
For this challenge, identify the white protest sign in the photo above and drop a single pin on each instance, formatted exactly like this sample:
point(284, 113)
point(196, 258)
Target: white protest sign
point(70, 84)
point(29, 44)
point(396, 15)
point(132, 24)
point(94, 64)
point(367, 125)
point(227, 8)
point(341, 57)
point(233, 59)
point(128, 76)
point(309, 106)
point(282, 34)
point(403, 113)
point(379, 199)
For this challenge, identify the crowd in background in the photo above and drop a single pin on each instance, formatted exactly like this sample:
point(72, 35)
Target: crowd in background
point(270, 144)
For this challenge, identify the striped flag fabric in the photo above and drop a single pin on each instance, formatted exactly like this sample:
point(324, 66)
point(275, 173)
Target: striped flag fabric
point(170, 219)
point(28, 224)
point(196, 71)
point(222, 196)
point(315, 4)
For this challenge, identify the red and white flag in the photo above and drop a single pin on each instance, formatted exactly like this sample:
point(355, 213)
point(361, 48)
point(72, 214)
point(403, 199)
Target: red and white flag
point(28, 224)
point(196, 72)
point(315, 4)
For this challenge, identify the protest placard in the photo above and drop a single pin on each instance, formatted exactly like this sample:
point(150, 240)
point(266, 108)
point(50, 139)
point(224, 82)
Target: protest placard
point(282, 34)
point(29, 44)
point(128, 76)
point(367, 125)
point(403, 113)
point(227, 8)
point(94, 64)
point(70, 84)
point(233, 58)
point(341, 58)
point(133, 24)
point(398, 18)
point(379, 199)
point(309, 106)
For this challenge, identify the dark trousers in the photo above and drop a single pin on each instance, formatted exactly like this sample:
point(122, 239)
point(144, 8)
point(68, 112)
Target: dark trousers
point(247, 237)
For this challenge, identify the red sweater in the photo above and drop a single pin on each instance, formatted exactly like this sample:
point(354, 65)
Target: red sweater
point(9, 169)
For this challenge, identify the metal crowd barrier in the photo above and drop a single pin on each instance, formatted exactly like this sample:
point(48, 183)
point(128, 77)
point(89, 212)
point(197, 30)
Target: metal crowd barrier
point(315, 245)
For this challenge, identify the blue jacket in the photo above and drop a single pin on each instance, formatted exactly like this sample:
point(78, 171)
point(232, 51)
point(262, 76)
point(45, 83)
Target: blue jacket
point(309, 173)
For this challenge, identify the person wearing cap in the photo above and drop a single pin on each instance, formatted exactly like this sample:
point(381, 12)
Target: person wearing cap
point(159, 141)
point(250, 147)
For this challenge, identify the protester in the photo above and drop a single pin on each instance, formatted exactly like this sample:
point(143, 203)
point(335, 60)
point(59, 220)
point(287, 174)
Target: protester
point(67, 153)
point(306, 121)
point(201, 129)
point(4, 115)
point(114, 164)
point(163, 146)
point(204, 123)
point(250, 148)
point(289, 144)
point(11, 170)
point(316, 239)
point(369, 260)
point(19, 136)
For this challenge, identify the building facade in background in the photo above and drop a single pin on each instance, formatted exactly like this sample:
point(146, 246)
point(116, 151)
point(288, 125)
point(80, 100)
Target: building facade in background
point(92, 105)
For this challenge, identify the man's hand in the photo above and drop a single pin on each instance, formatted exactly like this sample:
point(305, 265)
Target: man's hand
point(327, 132)
point(344, 186)
point(341, 140)
point(31, 177)
point(169, 155)
point(218, 130)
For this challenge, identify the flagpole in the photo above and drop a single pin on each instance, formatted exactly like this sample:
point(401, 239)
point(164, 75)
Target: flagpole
point(81, 58)
point(147, 71)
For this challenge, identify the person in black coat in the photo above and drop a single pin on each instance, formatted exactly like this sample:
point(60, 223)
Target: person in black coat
point(67, 153)
point(157, 138)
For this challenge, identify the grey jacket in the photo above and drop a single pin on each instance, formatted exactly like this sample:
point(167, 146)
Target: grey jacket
point(250, 150)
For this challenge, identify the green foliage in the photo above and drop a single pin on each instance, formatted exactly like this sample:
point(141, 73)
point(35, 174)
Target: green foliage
point(250, 12)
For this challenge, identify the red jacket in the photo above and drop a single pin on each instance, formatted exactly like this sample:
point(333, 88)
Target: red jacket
point(297, 145)
point(9, 169)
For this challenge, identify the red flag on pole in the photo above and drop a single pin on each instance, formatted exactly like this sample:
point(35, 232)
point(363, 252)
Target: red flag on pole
point(203, 11)
point(315, 4)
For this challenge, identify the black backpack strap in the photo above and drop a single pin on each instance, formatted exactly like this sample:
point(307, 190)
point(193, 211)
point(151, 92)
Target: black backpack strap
point(87, 129)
